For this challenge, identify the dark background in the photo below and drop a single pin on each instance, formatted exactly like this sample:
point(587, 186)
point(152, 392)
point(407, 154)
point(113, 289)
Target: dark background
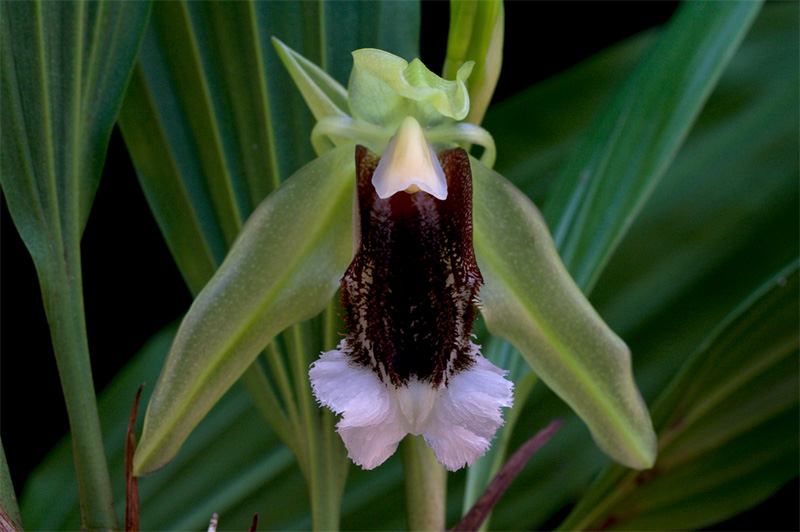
point(125, 259)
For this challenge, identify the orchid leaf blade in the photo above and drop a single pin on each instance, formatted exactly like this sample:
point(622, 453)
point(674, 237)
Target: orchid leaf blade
point(64, 68)
point(628, 148)
point(476, 34)
point(232, 444)
point(727, 424)
point(530, 300)
point(284, 268)
point(692, 255)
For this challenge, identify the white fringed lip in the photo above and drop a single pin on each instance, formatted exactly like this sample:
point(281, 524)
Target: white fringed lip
point(457, 420)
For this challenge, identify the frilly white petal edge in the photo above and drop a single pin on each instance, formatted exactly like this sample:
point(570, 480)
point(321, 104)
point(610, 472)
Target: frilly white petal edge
point(458, 421)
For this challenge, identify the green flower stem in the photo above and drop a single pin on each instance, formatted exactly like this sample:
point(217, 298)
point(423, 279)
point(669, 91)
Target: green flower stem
point(426, 485)
point(263, 396)
point(281, 376)
point(323, 473)
point(62, 293)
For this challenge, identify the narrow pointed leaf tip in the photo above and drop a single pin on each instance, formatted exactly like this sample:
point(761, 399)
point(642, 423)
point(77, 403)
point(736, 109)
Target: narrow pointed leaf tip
point(384, 89)
point(323, 94)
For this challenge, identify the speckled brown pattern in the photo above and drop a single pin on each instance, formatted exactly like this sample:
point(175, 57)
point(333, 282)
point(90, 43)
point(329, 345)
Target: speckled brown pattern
point(410, 292)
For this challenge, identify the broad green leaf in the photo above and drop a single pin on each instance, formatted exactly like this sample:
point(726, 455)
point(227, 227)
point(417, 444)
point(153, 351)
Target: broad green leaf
point(728, 425)
point(284, 268)
point(64, 67)
point(8, 497)
point(64, 74)
point(213, 121)
point(537, 130)
point(630, 145)
point(530, 300)
point(232, 464)
point(723, 219)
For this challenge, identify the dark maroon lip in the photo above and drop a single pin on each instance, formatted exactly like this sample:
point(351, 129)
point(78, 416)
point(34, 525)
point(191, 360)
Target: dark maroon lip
point(410, 292)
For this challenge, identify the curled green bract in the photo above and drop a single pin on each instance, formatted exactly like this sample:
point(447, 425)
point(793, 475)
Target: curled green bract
point(384, 89)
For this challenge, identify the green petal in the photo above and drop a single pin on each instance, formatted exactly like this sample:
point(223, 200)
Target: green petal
point(385, 88)
point(284, 267)
point(530, 300)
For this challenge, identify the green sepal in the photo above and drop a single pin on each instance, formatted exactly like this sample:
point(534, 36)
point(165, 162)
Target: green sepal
point(385, 88)
point(284, 267)
point(530, 300)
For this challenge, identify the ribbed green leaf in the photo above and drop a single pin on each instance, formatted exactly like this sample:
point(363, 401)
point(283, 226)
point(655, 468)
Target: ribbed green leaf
point(212, 120)
point(537, 130)
point(628, 148)
point(208, 78)
point(728, 425)
point(476, 34)
point(530, 300)
point(64, 67)
point(64, 74)
point(284, 268)
point(226, 466)
point(723, 219)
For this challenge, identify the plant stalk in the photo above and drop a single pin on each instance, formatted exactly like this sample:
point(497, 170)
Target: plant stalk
point(62, 294)
point(426, 485)
point(324, 472)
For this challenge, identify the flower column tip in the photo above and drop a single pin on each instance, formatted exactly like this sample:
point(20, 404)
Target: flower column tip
point(409, 164)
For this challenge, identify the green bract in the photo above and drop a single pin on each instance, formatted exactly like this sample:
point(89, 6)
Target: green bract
point(288, 257)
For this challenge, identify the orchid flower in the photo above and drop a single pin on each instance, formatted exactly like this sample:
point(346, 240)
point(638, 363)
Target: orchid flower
point(407, 364)
point(394, 194)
